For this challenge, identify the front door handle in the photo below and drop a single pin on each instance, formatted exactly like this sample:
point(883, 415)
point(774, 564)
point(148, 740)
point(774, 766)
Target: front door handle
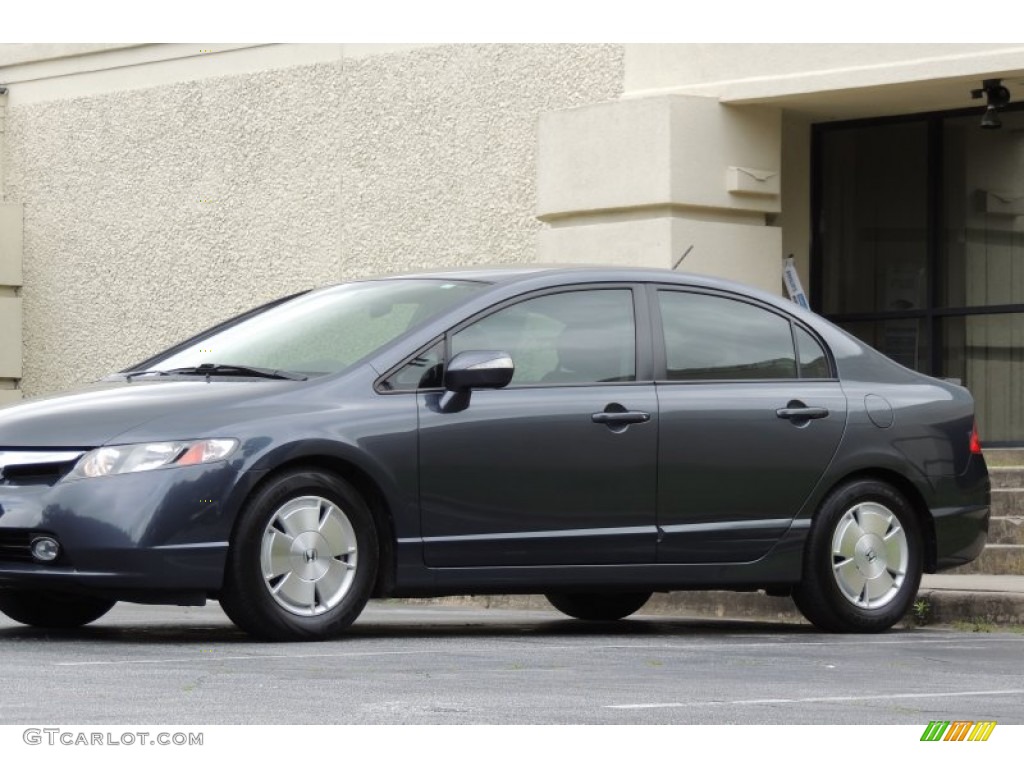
point(803, 413)
point(620, 417)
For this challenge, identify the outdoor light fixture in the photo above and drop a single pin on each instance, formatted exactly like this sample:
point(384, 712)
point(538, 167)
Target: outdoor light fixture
point(996, 96)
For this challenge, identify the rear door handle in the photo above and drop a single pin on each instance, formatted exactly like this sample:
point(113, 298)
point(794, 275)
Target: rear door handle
point(803, 413)
point(621, 417)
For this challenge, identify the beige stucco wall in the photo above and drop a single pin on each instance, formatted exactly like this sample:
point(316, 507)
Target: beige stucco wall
point(153, 212)
point(645, 181)
point(440, 149)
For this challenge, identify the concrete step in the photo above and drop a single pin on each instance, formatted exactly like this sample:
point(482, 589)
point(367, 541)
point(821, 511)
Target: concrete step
point(1007, 502)
point(1004, 457)
point(1006, 477)
point(1006, 530)
point(998, 560)
point(955, 600)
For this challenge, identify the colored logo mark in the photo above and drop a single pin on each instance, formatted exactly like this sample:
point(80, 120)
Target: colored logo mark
point(958, 730)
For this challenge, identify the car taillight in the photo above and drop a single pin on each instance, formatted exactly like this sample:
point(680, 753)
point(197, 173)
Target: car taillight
point(975, 440)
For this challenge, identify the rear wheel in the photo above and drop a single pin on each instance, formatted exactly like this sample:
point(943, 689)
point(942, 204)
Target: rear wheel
point(863, 560)
point(597, 606)
point(303, 560)
point(52, 610)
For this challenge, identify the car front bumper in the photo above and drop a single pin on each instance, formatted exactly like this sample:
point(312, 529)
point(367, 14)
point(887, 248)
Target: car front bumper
point(156, 536)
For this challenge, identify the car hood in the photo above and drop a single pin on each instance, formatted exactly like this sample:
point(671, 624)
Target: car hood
point(96, 414)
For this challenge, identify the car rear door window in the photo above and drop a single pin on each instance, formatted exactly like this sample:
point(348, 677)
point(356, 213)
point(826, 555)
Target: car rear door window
point(576, 337)
point(717, 338)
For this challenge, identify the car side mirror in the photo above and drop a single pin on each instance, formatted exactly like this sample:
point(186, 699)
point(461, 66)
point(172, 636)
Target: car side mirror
point(474, 370)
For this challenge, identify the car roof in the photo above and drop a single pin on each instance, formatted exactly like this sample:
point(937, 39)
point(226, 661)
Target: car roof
point(501, 273)
point(489, 273)
point(555, 274)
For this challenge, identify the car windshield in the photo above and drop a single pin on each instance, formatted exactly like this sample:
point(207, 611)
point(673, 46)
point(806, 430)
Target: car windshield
point(321, 332)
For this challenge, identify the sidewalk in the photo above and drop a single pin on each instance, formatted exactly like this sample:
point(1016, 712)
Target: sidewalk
point(970, 601)
point(972, 582)
point(977, 599)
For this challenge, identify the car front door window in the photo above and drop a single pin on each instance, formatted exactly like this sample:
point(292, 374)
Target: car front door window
point(578, 337)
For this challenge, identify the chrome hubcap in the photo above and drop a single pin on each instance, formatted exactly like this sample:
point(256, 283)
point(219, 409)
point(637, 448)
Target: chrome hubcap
point(869, 555)
point(308, 555)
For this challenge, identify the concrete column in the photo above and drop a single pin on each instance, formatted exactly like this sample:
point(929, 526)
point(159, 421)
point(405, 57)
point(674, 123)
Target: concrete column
point(644, 181)
point(10, 282)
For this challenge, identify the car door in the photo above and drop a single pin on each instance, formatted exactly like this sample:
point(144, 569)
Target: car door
point(559, 467)
point(751, 416)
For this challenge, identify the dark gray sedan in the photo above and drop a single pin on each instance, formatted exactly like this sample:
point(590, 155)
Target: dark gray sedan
point(595, 435)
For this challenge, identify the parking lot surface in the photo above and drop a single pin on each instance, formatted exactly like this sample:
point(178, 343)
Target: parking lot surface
point(420, 663)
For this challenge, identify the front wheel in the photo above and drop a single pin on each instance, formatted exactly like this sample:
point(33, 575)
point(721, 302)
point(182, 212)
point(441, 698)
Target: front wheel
point(52, 610)
point(596, 606)
point(303, 559)
point(863, 560)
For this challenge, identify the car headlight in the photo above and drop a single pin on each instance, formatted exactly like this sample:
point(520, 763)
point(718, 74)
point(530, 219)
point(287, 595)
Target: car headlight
point(119, 459)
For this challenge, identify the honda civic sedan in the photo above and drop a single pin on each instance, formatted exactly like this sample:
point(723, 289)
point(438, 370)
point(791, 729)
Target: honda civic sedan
point(591, 434)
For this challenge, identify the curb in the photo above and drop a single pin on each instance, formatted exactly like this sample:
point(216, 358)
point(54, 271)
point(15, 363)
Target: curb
point(981, 610)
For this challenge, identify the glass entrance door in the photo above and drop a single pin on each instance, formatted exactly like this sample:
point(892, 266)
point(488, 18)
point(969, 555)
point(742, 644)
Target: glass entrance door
point(919, 250)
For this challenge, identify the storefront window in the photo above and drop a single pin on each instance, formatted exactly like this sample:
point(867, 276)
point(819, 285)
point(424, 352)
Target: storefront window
point(986, 354)
point(874, 220)
point(982, 245)
point(905, 341)
point(919, 249)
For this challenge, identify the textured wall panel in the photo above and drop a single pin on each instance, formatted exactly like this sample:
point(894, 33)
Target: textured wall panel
point(439, 157)
point(150, 214)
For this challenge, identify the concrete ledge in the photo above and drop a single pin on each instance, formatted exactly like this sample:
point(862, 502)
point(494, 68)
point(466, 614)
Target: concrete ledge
point(1004, 609)
point(1007, 502)
point(982, 601)
point(711, 604)
point(1006, 530)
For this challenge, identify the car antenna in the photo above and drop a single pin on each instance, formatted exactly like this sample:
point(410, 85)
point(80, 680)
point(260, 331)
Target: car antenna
point(685, 254)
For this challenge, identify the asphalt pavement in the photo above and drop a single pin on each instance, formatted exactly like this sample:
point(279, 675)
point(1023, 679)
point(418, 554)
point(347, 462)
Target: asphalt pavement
point(433, 664)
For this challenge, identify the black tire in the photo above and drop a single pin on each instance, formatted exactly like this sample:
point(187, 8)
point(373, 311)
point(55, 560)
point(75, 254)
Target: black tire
point(52, 610)
point(598, 606)
point(271, 607)
point(851, 520)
